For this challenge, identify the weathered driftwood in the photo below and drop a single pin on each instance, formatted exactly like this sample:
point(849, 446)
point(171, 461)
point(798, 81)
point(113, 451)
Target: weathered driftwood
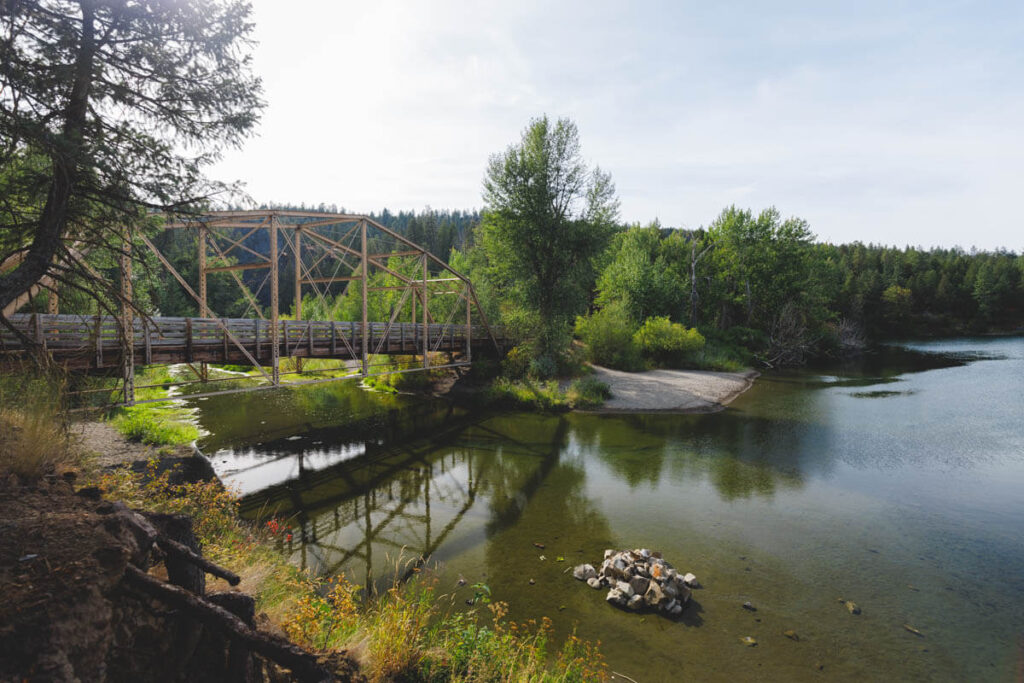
point(301, 663)
point(172, 547)
point(153, 528)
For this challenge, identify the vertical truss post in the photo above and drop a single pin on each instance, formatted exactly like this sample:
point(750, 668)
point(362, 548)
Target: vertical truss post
point(469, 327)
point(275, 350)
point(365, 271)
point(204, 306)
point(426, 330)
point(298, 288)
point(127, 321)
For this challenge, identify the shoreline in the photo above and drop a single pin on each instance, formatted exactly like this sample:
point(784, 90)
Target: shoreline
point(672, 391)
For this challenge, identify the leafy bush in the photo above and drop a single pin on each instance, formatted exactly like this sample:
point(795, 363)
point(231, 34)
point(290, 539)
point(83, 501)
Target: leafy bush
point(527, 394)
point(544, 367)
point(608, 336)
point(588, 392)
point(666, 342)
point(516, 362)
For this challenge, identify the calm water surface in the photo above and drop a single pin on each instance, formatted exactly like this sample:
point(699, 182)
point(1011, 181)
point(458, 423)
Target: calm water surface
point(897, 483)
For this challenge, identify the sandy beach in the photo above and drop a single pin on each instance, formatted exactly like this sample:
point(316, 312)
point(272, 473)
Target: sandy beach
point(678, 391)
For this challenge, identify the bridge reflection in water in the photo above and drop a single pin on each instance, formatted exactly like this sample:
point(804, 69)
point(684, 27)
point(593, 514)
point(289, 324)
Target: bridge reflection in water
point(379, 510)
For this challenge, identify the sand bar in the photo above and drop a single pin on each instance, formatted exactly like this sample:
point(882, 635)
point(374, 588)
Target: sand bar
point(678, 391)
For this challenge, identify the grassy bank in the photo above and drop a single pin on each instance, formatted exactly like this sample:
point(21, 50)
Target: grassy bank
point(411, 632)
point(550, 395)
point(155, 423)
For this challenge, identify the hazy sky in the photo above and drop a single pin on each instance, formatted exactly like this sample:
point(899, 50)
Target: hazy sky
point(888, 122)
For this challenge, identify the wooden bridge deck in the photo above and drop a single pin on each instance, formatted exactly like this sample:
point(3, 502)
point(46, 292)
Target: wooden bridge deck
point(93, 342)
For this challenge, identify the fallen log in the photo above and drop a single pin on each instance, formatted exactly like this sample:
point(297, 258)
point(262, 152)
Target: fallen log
point(301, 663)
point(172, 547)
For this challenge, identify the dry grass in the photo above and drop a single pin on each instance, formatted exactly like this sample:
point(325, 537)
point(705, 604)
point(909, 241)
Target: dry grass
point(34, 437)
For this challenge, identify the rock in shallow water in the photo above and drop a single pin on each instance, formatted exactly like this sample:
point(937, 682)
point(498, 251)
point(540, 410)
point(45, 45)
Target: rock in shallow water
point(616, 597)
point(641, 580)
point(584, 572)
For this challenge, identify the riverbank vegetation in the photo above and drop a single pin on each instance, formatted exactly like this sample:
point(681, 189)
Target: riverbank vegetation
point(412, 631)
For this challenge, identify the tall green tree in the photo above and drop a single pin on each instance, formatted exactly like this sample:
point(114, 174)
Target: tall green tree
point(547, 216)
point(126, 103)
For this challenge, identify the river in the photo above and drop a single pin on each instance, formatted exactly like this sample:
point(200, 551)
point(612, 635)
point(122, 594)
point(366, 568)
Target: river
point(896, 482)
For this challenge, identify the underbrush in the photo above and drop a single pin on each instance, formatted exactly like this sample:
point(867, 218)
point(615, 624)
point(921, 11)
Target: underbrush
point(530, 394)
point(399, 381)
point(410, 632)
point(34, 439)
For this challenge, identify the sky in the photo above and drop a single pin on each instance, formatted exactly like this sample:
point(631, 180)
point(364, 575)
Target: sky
point(883, 122)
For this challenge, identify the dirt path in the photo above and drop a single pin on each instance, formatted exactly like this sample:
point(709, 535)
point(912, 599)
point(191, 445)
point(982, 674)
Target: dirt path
point(109, 447)
point(678, 391)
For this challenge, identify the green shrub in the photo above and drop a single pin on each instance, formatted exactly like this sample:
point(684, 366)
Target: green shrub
point(516, 362)
point(666, 342)
point(527, 394)
point(608, 337)
point(588, 392)
point(544, 367)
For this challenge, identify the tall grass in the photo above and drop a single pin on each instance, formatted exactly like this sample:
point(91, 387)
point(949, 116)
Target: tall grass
point(409, 632)
point(34, 437)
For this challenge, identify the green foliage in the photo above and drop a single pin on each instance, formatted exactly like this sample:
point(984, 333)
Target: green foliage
point(115, 109)
point(547, 218)
point(588, 392)
point(398, 382)
point(407, 633)
point(608, 335)
point(527, 394)
point(646, 272)
point(153, 426)
point(666, 342)
point(159, 424)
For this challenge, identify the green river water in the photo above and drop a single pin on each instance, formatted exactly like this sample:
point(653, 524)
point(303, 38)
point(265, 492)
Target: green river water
point(896, 482)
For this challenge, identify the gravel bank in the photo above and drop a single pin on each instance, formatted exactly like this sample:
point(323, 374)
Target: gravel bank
point(678, 391)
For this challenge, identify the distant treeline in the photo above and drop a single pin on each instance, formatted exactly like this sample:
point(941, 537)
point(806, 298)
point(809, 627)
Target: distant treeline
point(751, 277)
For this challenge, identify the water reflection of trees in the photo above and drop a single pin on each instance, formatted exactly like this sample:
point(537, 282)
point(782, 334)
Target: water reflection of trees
point(741, 455)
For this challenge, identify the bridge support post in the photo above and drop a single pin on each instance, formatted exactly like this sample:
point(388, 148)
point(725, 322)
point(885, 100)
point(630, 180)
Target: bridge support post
point(127, 321)
point(426, 330)
point(298, 288)
point(204, 307)
point(275, 348)
point(365, 277)
point(469, 329)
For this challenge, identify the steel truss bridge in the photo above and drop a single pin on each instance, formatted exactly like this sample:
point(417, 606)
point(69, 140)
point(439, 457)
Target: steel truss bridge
point(430, 306)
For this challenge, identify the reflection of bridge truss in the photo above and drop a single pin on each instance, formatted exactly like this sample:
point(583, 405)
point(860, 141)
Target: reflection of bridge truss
point(407, 501)
point(406, 300)
point(396, 509)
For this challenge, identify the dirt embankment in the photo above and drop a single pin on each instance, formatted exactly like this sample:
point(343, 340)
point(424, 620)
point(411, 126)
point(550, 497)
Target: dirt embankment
point(94, 591)
point(677, 391)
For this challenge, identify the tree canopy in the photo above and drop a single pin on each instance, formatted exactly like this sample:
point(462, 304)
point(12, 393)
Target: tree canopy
point(547, 216)
point(109, 108)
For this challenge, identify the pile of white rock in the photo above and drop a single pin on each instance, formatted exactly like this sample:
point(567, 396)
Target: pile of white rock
point(640, 579)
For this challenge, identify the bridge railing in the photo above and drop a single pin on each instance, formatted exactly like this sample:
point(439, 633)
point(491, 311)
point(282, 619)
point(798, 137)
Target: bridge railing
point(68, 334)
